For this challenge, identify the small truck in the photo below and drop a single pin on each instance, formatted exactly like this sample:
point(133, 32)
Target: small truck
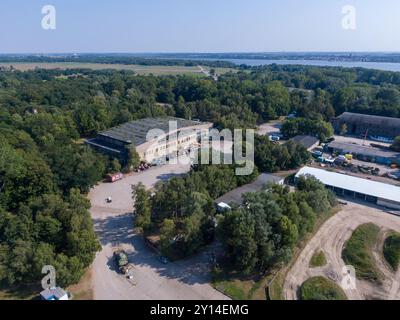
point(121, 259)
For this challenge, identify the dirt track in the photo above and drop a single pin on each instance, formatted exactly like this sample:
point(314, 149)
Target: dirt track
point(181, 280)
point(330, 239)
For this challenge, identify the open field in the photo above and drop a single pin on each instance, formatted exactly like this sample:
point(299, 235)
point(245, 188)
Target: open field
point(139, 69)
point(331, 238)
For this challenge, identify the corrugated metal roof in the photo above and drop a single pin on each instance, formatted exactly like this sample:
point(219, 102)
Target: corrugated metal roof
point(363, 186)
point(136, 131)
point(306, 141)
point(364, 150)
point(366, 119)
point(235, 196)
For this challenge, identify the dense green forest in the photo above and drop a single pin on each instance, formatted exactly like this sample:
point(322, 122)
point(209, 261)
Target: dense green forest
point(45, 169)
point(112, 59)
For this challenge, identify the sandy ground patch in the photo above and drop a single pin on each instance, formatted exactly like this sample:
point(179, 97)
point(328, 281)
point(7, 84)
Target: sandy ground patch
point(270, 128)
point(330, 239)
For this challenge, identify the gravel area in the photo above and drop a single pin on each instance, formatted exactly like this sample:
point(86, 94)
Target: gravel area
point(188, 279)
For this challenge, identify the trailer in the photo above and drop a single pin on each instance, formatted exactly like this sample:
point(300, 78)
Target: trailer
point(112, 177)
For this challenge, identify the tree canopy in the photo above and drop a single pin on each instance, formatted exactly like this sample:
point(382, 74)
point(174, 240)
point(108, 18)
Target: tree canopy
point(45, 168)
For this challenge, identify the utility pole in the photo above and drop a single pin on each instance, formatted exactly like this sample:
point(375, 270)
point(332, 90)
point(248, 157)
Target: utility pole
point(365, 137)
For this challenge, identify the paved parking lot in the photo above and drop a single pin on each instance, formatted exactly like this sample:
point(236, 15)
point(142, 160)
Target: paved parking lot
point(269, 128)
point(359, 141)
point(384, 169)
point(188, 279)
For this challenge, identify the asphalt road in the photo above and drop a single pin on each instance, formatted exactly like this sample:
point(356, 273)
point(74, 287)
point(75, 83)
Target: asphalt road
point(188, 279)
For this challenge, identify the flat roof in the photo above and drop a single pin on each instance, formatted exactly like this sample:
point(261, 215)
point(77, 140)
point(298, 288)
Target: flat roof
point(235, 196)
point(306, 141)
point(363, 186)
point(54, 293)
point(365, 150)
point(136, 131)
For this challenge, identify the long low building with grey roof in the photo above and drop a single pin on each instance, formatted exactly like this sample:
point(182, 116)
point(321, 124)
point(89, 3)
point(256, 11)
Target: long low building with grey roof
point(365, 153)
point(308, 142)
point(367, 125)
point(151, 137)
point(235, 196)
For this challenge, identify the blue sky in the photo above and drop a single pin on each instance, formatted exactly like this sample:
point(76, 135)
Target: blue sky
point(199, 26)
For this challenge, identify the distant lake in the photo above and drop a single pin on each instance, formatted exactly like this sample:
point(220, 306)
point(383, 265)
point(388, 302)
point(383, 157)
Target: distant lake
point(386, 66)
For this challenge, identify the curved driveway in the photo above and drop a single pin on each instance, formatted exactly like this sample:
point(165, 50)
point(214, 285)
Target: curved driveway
point(188, 279)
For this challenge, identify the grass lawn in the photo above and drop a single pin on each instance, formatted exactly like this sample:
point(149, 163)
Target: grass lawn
point(320, 288)
point(318, 260)
point(235, 289)
point(391, 250)
point(83, 289)
point(30, 292)
point(358, 252)
point(240, 289)
point(275, 289)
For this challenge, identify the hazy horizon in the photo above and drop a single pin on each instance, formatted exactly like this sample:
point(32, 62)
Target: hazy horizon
point(178, 26)
point(199, 52)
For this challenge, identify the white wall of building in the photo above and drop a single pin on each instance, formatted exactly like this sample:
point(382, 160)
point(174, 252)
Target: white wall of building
point(389, 204)
point(161, 147)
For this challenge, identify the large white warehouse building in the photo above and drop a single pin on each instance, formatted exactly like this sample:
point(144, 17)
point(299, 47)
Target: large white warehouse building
point(383, 194)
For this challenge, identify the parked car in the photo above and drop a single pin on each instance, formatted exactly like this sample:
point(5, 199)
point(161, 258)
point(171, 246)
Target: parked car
point(317, 154)
point(274, 138)
point(376, 171)
point(163, 260)
point(393, 176)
